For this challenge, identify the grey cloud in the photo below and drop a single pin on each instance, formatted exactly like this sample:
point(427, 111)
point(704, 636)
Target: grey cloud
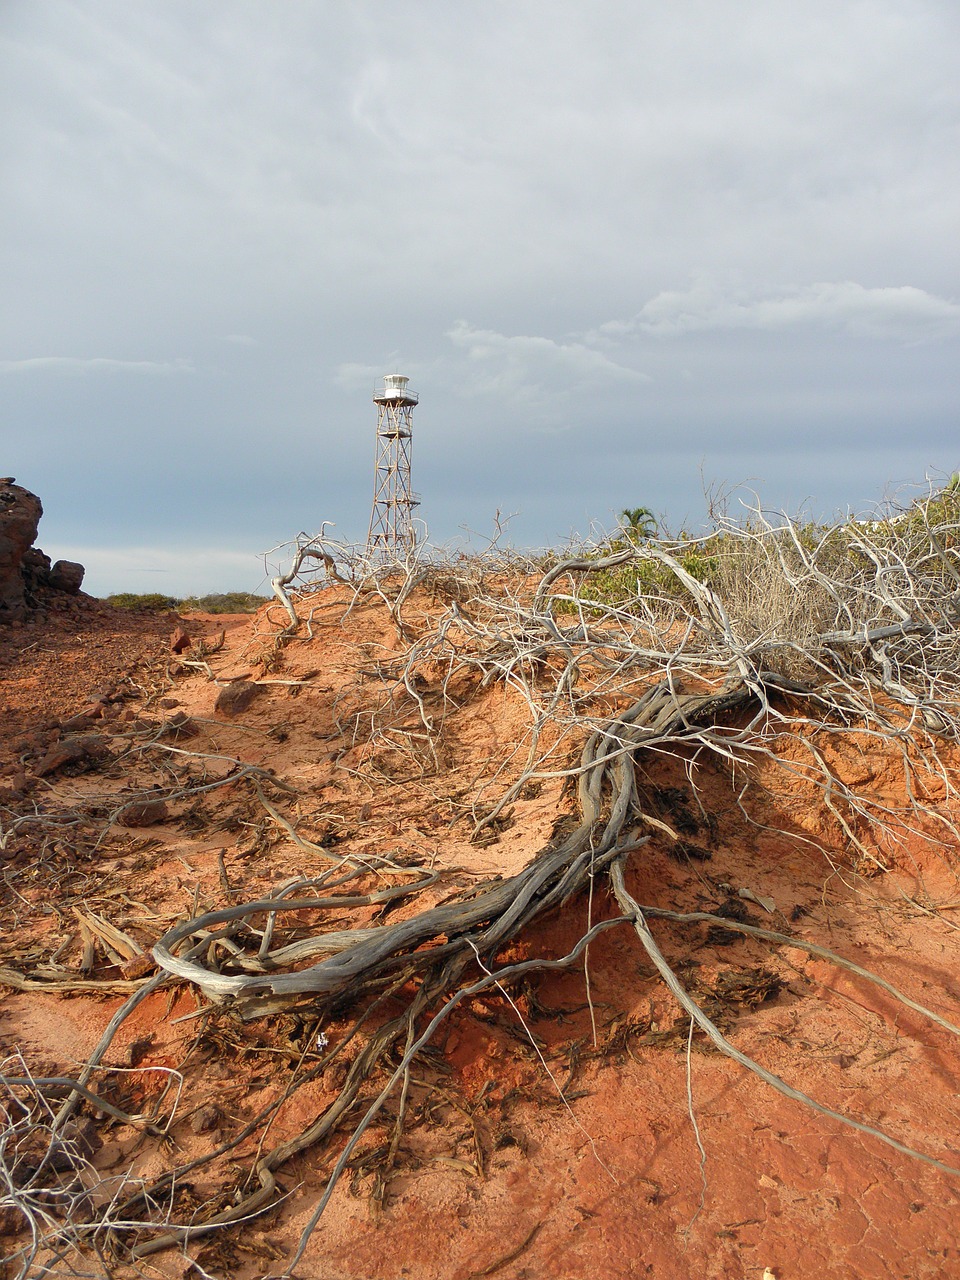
point(530, 366)
point(97, 364)
point(901, 311)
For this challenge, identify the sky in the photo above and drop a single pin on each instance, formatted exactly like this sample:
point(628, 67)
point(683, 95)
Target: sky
point(630, 253)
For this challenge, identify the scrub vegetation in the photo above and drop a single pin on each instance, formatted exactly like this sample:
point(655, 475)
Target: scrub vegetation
point(218, 602)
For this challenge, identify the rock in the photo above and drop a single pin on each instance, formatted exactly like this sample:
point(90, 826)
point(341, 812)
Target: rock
point(179, 725)
point(143, 813)
point(88, 1134)
point(66, 575)
point(205, 1119)
point(86, 749)
point(35, 570)
point(77, 724)
point(83, 1135)
point(181, 639)
point(20, 512)
point(146, 724)
point(13, 787)
point(138, 967)
point(26, 578)
point(67, 751)
point(235, 697)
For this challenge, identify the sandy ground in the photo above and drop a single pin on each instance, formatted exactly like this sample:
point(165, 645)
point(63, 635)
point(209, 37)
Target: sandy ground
point(554, 1136)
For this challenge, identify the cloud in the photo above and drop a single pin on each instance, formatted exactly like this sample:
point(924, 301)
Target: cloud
point(902, 311)
point(75, 365)
point(535, 367)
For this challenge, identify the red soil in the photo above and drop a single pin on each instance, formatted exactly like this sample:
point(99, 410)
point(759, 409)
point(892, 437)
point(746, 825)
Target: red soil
point(499, 1174)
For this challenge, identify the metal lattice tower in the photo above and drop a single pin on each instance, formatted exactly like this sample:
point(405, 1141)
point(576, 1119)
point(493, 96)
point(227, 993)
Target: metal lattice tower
point(391, 520)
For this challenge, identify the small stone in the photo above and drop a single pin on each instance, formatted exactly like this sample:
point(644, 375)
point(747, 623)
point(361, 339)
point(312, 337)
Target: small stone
point(138, 967)
point(63, 1156)
point(235, 698)
point(84, 1136)
point(180, 640)
point(179, 725)
point(143, 813)
point(205, 1119)
point(77, 724)
point(13, 787)
point(67, 751)
point(90, 748)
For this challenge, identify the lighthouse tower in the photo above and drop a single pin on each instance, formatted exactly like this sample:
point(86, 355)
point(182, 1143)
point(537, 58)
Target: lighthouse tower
point(391, 519)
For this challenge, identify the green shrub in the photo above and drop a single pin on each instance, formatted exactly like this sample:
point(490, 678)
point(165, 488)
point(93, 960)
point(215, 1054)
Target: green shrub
point(153, 601)
point(224, 602)
point(621, 586)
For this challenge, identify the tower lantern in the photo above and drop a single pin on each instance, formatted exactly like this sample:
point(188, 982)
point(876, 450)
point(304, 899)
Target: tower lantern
point(391, 519)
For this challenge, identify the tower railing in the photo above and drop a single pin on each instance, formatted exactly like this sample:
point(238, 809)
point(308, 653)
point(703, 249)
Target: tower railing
point(389, 395)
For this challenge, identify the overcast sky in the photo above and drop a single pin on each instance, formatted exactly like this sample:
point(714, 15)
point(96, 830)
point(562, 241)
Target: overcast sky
point(622, 248)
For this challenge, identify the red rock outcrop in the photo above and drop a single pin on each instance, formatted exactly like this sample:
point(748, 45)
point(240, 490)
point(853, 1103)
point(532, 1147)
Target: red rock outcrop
point(20, 512)
point(24, 569)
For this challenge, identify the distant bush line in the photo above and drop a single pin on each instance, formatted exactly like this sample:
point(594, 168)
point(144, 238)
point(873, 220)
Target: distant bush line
point(224, 602)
